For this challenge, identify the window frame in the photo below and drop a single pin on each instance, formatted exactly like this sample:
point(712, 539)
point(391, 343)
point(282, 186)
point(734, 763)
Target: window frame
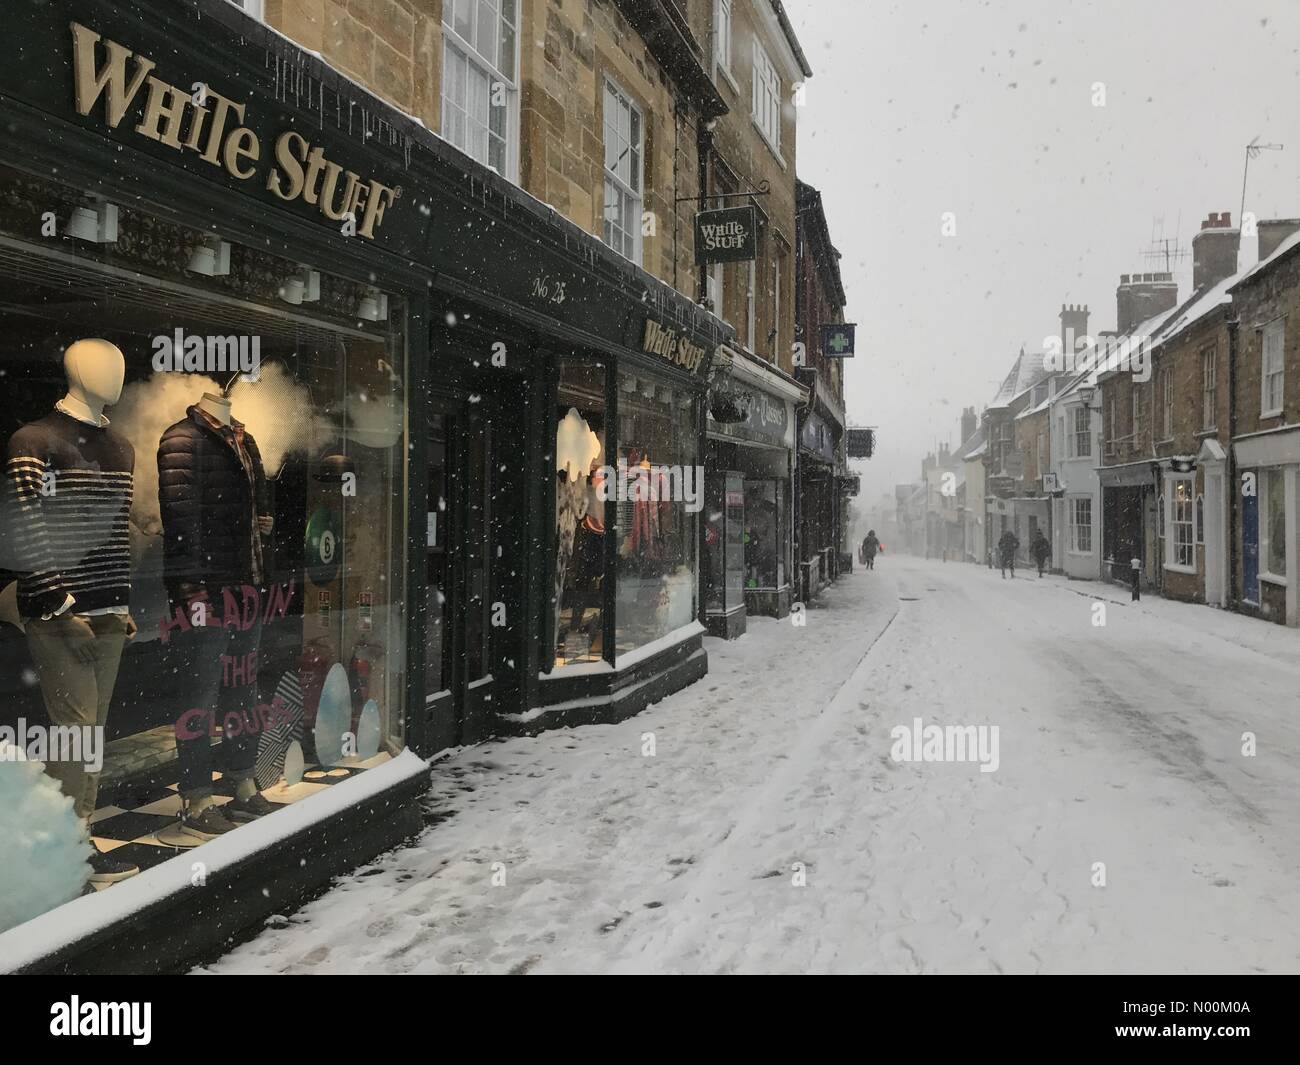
point(1275, 328)
point(475, 60)
point(1209, 387)
point(1167, 403)
point(1180, 514)
point(637, 195)
point(1074, 504)
point(723, 40)
point(255, 8)
point(1082, 436)
point(766, 88)
point(1266, 489)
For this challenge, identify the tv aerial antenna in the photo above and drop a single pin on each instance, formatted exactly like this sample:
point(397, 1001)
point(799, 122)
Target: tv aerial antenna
point(1164, 253)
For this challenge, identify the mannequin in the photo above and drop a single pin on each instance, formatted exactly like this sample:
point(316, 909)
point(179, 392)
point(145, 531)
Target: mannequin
point(213, 503)
point(70, 481)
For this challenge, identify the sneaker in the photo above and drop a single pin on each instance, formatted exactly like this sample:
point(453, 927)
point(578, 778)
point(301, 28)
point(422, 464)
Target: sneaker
point(105, 869)
point(208, 823)
point(250, 809)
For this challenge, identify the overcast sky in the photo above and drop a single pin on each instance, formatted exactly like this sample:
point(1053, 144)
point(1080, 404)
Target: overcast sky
point(986, 110)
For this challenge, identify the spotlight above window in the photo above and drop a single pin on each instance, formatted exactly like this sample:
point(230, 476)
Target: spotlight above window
point(373, 306)
point(96, 223)
point(211, 258)
point(302, 287)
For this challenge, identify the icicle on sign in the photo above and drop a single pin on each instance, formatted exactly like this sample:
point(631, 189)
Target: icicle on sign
point(301, 171)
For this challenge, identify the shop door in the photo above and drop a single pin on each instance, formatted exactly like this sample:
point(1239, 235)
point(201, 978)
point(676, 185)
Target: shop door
point(458, 682)
point(1250, 548)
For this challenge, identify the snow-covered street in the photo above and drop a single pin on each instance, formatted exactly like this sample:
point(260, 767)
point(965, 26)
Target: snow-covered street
point(770, 830)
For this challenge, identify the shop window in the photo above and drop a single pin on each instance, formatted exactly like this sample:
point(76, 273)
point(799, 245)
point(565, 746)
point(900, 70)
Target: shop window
point(658, 443)
point(1272, 526)
point(764, 529)
point(580, 513)
point(1080, 515)
point(206, 481)
point(624, 146)
point(1181, 537)
point(724, 542)
point(480, 91)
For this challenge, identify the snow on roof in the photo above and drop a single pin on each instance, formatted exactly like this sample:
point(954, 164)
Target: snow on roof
point(1196, 308)
point(973, 446)
point(1026, 371)
point(1264, 264)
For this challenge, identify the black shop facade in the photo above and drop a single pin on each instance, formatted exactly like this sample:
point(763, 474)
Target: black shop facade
point(748, 554)
point(302, 486)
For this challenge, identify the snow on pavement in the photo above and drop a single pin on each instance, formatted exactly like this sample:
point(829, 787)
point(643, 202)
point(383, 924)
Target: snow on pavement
point(770, 831)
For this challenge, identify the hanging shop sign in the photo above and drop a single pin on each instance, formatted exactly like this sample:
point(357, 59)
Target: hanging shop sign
point(837, 340)
point(850, 485)
point(860, 443)
point(124, 90)
point(816, 439)
point(765, 420)
point(726, 235)
point(672, 346)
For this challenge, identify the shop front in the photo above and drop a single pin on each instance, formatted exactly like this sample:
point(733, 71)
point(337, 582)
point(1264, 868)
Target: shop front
point(298, 492)
point(206, 548)
point(818, 504)
point(748, 548)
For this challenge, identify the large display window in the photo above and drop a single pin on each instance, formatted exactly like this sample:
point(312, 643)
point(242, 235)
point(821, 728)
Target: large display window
point(658, 444)
point(201, 566)
point(648, 472)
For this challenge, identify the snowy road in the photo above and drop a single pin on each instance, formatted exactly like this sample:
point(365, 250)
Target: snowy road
point(771, 831)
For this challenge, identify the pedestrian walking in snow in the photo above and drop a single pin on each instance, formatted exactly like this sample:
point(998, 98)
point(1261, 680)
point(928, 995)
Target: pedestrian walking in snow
point(1008, 545)
point(1040, 549)
point(1136, 563)
point(870, 545)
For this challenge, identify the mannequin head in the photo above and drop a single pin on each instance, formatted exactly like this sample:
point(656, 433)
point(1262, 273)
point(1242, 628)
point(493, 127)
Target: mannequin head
point(95, 370)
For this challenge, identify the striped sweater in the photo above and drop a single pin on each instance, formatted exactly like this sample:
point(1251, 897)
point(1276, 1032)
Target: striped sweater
point(69, 487)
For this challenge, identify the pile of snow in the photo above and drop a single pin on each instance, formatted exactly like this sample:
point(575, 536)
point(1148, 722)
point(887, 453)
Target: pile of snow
point(43, 844)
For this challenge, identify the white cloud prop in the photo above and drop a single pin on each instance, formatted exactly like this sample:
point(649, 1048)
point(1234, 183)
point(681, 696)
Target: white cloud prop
point(43, 844)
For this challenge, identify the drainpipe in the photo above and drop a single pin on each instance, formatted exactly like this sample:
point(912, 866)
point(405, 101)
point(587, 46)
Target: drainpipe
point(1231, 488)
point(704, 147)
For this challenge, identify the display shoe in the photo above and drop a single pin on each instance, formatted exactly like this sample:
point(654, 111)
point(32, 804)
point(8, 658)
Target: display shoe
point(250, 809)
point(105, 869)
point(208, 823)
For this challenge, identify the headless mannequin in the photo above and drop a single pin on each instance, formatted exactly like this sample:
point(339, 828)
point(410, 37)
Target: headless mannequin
point(218, 408)
point(76, 609)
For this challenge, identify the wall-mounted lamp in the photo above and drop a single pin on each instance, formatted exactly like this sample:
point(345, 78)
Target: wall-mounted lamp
point(211, 258)
point(373, 306)
point(96, 224)
point(302, 287)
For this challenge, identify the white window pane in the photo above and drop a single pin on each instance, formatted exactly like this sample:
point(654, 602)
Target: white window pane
point(486, 39)
point(463, 20)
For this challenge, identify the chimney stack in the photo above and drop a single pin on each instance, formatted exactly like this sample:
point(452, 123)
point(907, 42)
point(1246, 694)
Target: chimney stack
point(1139, 296)
point(1272, 232)
point(1074, 326)
point(1214, 251)
point(969, 423)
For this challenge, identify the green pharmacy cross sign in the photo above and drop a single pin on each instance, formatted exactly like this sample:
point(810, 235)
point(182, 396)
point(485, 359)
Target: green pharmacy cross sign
point(837, 340)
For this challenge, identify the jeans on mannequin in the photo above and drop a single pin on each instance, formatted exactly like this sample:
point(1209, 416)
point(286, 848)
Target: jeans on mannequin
point(220, 664)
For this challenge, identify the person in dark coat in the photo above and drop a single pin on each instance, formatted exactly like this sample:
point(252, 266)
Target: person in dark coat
point(1008, 545)
point(1040, 549)
point(870, 546)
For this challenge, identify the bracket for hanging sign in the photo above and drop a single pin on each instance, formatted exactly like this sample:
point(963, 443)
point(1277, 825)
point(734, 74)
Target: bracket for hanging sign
point(764, 188)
